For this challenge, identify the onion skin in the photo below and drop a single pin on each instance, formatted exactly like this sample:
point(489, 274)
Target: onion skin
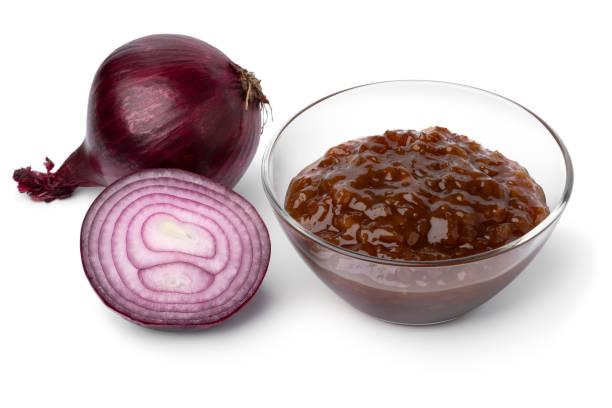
point(162, 101)
point(116, 253)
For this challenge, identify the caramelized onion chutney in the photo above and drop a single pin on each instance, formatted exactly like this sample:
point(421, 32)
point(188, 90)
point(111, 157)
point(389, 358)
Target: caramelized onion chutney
point(416, 196)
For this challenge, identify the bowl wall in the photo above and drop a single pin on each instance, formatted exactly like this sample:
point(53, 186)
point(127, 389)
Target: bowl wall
point(414, 295)
point(495, 122)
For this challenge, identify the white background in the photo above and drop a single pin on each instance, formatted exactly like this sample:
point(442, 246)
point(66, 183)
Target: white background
point(544, 341)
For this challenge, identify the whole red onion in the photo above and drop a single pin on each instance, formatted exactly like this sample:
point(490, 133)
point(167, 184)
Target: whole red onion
point(163, 101)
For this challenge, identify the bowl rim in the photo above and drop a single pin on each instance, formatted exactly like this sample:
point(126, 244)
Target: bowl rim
point(555, 213)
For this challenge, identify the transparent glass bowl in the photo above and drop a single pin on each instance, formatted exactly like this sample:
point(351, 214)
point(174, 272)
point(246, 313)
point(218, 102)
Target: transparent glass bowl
point(411, 292)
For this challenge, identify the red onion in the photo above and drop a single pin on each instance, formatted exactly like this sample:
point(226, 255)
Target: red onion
point(162, 101)
point(169, 249)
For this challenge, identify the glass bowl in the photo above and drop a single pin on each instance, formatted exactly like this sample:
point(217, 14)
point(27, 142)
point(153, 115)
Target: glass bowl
point(411, 292)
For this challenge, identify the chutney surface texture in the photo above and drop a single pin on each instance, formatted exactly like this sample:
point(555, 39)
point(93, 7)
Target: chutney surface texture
point(416, 195)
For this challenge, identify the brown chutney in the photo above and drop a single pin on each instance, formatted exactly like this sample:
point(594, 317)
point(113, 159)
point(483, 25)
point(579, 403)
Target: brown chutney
point(410, 195)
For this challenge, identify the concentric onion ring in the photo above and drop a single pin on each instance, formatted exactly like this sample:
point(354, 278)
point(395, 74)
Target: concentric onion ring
point(168, 248)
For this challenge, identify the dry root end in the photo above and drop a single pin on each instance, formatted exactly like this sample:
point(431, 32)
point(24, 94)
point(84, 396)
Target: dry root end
point(251, 86)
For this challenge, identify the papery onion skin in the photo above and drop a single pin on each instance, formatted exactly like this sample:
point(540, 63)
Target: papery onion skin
point(162, 101)
point(114, 261)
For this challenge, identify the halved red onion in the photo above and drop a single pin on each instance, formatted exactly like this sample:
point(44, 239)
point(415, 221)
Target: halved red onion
point(168, 248)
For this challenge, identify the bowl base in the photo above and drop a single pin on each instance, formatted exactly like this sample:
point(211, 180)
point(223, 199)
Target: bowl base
point(421, 324)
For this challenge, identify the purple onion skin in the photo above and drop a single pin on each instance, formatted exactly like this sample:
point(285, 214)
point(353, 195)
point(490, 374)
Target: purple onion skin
point(162, 101)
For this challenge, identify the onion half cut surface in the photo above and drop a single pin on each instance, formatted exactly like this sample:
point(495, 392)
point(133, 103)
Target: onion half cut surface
point(170, 249)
